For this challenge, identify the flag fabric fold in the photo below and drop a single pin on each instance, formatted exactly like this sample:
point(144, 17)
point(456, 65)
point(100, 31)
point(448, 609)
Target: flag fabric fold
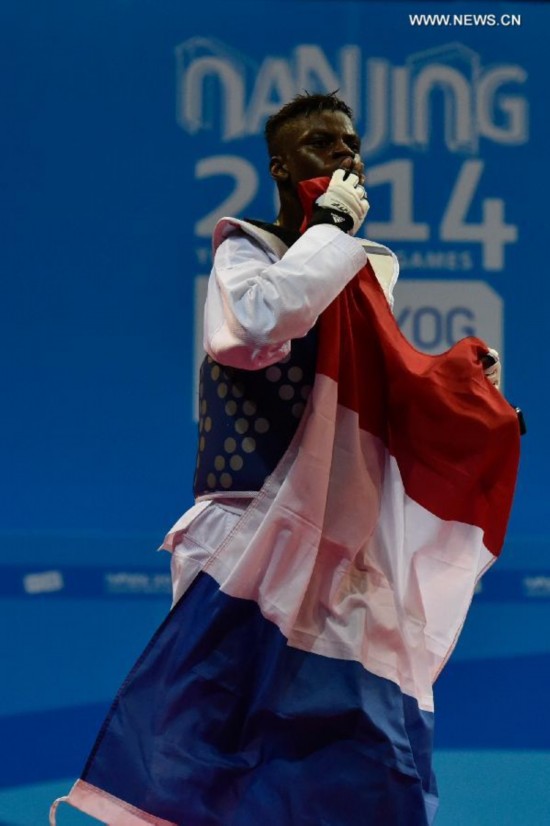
point(292, 683)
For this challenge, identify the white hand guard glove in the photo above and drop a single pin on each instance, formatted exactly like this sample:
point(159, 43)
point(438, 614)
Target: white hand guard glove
point(492, 367)
point(343, 205)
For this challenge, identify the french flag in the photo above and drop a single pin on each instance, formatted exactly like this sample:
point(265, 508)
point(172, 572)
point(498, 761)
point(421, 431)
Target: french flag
point(291, 685)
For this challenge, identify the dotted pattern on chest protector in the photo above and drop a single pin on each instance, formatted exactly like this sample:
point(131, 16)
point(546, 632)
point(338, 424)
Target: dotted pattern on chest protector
point(248, 418)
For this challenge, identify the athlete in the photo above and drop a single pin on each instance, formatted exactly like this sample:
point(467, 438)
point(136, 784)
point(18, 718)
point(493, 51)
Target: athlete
point(322, 577)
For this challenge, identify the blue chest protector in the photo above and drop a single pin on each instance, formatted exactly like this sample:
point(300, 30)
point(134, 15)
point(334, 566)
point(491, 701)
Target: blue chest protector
point(248, 418)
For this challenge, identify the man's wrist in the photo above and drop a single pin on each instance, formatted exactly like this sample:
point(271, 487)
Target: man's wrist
point(334, 217)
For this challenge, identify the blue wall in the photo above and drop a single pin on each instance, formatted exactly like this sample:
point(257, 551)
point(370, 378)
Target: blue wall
point(126, 124)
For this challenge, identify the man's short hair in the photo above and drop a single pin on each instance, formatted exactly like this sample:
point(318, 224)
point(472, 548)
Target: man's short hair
point(300, 106)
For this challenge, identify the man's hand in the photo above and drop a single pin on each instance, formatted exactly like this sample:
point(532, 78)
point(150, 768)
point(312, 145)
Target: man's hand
point(343, 205)
point(492, 367)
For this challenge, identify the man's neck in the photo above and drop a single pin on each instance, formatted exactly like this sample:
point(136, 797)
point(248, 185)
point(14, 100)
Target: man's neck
point(290, 215)
point(289, 236)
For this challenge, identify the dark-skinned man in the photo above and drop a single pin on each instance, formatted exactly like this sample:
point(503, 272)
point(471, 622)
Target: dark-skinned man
point(291, 683)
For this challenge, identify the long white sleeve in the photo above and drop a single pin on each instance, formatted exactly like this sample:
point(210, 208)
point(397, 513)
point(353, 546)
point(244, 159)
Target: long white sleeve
point(257, 303)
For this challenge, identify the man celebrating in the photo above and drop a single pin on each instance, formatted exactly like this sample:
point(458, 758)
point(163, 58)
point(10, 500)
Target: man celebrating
point(350, 491)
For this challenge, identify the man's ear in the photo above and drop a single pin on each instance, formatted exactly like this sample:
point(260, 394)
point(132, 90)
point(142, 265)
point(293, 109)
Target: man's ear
point(277, 168)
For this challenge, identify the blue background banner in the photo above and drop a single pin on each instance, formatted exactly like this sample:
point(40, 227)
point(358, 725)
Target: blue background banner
point(129, 128)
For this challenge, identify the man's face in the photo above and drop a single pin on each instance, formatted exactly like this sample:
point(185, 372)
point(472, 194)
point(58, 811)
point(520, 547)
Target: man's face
point(314, 146)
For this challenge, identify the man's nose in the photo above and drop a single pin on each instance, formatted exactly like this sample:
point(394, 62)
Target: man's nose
point(342, 150)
